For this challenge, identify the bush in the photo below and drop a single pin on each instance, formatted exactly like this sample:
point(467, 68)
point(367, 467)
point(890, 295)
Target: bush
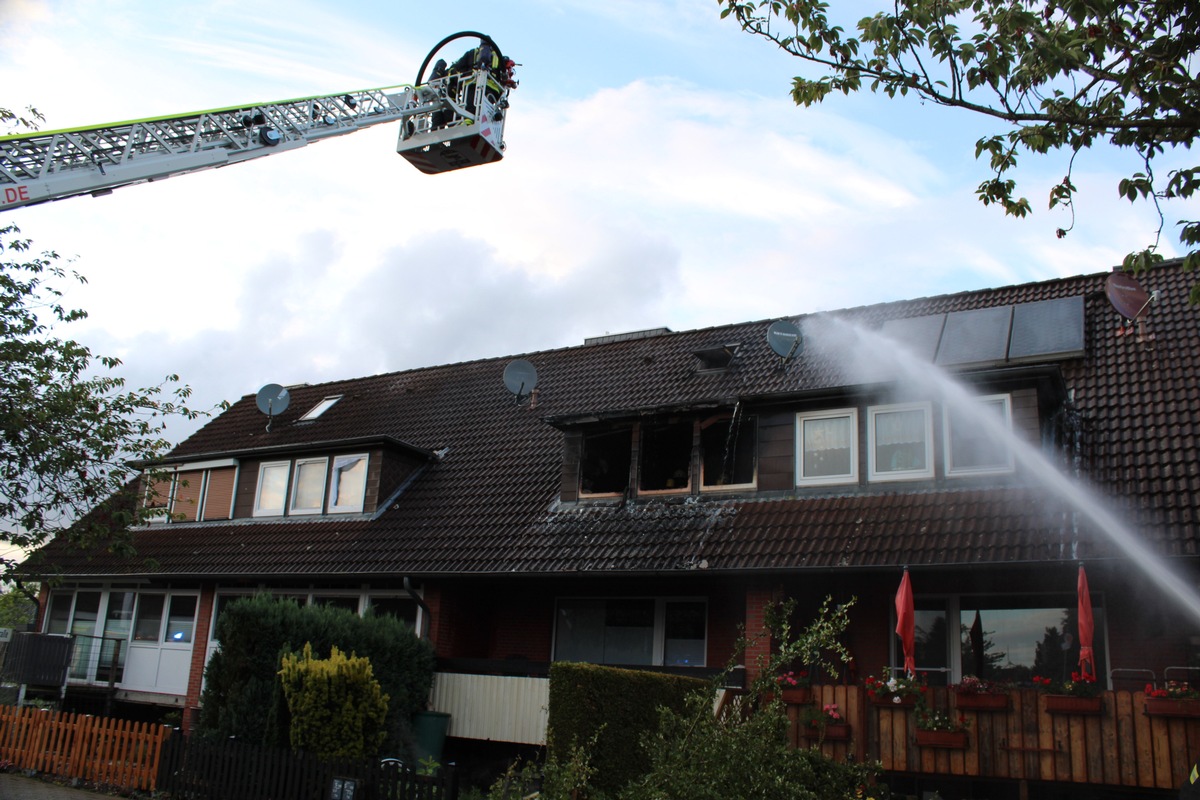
point(337, 708)
point(242, 695)
point(613, 708)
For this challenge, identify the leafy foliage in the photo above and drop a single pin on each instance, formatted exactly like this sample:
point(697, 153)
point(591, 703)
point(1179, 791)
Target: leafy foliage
point(746, 752)
point(17, 609)
point(337, 708)
point(68, 426)
point(1064, 75)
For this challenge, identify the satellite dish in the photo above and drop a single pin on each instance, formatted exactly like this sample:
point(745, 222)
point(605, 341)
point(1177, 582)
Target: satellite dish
point(520, 378)
point(1127, 296)
point(272, 399)
point(784, 339)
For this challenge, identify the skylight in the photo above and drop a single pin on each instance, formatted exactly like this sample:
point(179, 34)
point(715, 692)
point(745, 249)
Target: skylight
point(320, 408)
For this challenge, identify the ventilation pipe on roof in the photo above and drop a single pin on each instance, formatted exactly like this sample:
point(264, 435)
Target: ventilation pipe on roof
point(408, 587)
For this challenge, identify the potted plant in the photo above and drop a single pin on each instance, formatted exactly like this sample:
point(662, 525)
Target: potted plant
point(1079, 695)
point(826, 723)
point(939, 728)
point(978, 694)
point(891, 689)
point(794, 687)
point(1174, 699)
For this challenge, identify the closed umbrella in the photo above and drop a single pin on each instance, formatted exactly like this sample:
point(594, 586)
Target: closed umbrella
point(977, 644)
point(1087, 627)
point(906, 623)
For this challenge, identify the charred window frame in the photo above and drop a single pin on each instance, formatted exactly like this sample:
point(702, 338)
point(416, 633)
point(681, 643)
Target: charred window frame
point(665, 456)
point(604, 461)
point(728, 451)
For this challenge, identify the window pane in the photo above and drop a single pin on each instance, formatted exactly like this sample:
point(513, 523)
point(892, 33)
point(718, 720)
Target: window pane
point(629, 632)
point(348, 483)
point(931, 644)
point(337, 601)
point(149, 618)
point(83, 626)
point(826, 447)
point(181, 619)
point(272, 488)
point(579, 631)
point(309, 489)
point(666, 456)
point(402, 608)
point(971, 448)
point(1014, 643)
point(604, 462)
point(728, 452)
point(59, 618)
point(684, 640)
point(900, 441)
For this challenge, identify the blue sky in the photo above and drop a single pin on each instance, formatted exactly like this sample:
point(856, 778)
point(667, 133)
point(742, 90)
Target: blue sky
point(657, 175)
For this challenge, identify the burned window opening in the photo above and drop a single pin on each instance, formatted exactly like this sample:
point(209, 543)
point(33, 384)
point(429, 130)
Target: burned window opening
point(666, 456)
point(728, 449)
point(604, 461)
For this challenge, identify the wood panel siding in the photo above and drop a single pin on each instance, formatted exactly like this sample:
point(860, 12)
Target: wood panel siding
point(776, 451)
point(572, 453)
point(1025, 419)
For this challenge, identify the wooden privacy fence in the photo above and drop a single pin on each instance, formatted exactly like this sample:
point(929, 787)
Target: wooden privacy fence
point(1126, 740)
point(195, 770)
point(112, 752)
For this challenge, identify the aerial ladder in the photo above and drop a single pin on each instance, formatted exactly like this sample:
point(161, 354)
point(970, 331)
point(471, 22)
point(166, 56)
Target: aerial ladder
point(453, 119)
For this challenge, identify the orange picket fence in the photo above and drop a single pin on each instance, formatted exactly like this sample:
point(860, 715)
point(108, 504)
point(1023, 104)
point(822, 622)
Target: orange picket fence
point(110, 752)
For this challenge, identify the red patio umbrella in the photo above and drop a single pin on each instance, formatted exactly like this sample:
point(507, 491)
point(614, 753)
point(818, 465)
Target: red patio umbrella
point(906, 623)
point(1087, 627)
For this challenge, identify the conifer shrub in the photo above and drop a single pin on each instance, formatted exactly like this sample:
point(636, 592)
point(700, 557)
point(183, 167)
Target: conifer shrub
point(242, 695)
point(609, 710)
point(336, 706)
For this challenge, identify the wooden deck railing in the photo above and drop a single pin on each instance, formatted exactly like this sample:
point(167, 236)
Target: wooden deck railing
point(1120, 746)
point(116, 753)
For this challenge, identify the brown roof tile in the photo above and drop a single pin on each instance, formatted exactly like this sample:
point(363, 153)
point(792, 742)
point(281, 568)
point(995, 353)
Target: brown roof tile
point(490, 505)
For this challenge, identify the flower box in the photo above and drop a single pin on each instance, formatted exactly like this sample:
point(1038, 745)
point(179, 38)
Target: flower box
point(982, 701)
point(796, 696)
point(893, 700)
point(1172, 707)
point(956, 740)
point(834, 732)
point(1070, 704)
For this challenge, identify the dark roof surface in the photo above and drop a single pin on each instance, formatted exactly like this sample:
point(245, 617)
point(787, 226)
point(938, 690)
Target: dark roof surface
point(490, 504)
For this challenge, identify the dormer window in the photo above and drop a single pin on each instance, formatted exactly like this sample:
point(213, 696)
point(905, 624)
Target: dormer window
point(320, 408)
point(308, 486)
point(347, 484)
point(900, 442)
point(298, 488)
point(666, 457)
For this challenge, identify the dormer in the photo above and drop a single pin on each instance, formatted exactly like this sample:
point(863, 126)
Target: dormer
point(316, 480)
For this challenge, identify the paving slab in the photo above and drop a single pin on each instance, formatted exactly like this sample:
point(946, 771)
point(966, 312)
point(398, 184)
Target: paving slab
point(20, 787)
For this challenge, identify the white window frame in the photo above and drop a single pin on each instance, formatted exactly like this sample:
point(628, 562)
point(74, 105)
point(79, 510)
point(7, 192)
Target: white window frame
point(320, 408)
point(1005, 401)
point(659, 634)
point(873, 474)
point(297, 469)
point(259, 511)
point(351, 508)
point(827, 480)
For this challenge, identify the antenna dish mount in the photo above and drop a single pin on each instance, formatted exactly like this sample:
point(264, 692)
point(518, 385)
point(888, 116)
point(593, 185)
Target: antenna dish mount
point(272, 399)
point(520, 378)
point(1130, 300)
point(784, 339)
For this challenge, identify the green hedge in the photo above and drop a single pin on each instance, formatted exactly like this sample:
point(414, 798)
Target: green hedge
point(617, 707)
point(242, 696)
